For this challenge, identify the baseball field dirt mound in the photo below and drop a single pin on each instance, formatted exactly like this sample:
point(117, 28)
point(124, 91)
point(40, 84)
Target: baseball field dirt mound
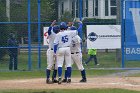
point(131, 83)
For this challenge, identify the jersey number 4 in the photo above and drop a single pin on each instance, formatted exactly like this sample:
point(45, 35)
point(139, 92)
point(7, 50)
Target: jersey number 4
point(65, 39)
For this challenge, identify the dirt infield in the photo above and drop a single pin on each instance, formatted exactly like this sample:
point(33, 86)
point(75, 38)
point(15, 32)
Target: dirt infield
point(131, 83)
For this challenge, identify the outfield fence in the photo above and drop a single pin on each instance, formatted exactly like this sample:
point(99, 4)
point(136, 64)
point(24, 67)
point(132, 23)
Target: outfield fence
point(26, 19)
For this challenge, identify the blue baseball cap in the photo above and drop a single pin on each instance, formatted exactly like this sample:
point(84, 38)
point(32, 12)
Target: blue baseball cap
point(63, 25)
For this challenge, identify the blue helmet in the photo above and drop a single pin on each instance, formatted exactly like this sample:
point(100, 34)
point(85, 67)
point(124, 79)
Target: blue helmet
point(63, 25)
point(73, 28)
point(56, 29)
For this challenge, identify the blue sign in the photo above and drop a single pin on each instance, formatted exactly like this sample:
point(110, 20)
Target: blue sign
point(132, 30)
point(92, 36)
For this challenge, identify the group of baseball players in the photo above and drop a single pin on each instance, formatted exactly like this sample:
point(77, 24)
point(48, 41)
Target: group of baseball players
point(64, 49)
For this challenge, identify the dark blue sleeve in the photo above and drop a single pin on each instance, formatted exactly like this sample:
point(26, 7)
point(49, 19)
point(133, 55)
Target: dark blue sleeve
point(49, 30)
point(80, 30)
point(55, 48)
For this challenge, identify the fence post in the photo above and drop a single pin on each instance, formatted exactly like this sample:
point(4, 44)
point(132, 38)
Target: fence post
point(118, 51)
point(29, 36)
point(122, 32)
point(39, 37)
point(80, 9)
point(80, 14)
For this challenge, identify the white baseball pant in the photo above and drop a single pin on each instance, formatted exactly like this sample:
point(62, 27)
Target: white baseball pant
point(77, 59)
point(64, 54)
point(50, 59)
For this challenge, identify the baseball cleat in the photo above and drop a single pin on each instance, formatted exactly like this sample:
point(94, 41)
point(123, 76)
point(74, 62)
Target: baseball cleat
point(69, 81)
point(83, 80)
point(48, 81)
point(59, 81)
point(64, 80)
point(54, 81)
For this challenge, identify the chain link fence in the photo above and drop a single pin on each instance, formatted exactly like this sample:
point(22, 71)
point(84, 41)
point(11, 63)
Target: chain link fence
point(26, 19)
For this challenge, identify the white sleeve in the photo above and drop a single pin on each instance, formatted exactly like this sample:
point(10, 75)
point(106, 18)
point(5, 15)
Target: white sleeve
point(77, 39)
point(73, 33)
point(56, 40)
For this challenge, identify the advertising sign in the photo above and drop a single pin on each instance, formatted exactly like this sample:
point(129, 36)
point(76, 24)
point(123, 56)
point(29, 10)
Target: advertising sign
point(103, 36)
point(132, 30)
point(45, 37)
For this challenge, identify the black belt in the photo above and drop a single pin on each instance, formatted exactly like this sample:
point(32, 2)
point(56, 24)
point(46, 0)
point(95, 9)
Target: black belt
point(67, 46)
point(64, 47)
point(75, 53)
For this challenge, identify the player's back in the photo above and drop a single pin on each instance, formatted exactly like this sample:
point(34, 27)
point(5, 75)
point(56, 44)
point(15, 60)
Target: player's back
point(63, 39)
point(76, 44)
point(51, 39)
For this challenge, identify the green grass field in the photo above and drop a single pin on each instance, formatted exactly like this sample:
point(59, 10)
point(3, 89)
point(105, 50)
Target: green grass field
point(71, 91)
point(106, 60)
point(41, 74)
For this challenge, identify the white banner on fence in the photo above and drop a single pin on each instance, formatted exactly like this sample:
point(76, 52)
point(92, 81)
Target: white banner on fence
point(45, 38)
point(103, 36)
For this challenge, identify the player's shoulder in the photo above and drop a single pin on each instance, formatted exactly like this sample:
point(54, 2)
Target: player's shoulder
point(71, 31)
point(59, 34)
point(64, 33)
point(76, 37)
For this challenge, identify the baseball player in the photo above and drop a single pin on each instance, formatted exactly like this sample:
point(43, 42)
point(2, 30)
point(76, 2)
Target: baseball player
point(62, 50)
point(76, 48)
point(52, 31)
point(70, 24)
point(72, 27)
point(76, 56)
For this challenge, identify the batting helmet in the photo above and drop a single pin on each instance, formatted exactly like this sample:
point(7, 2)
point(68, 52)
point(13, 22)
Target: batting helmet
point(73, 28)
point(63, 25)
point(56, 29)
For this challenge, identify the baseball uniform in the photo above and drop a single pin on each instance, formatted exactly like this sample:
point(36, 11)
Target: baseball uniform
point(52, 31)
point(63, 41)
point(76, 56)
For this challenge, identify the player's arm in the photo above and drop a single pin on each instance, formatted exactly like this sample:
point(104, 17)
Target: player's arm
point(55, 48)
point(56, 41)
point(77, 39)
point(53, 23)
point(50, 28)
point(80, 26)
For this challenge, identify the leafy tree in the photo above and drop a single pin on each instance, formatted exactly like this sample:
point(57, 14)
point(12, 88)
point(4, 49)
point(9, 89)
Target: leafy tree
point(3, 28)
point(66, 17)
point(19, 13)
